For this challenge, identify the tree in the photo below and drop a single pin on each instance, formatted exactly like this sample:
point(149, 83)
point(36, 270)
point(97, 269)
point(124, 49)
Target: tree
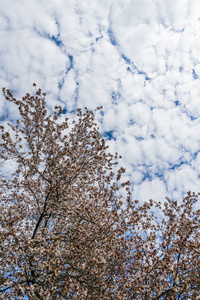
point(66, 231)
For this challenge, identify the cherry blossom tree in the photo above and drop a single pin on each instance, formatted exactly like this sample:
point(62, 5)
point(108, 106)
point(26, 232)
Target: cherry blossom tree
point(69, 228)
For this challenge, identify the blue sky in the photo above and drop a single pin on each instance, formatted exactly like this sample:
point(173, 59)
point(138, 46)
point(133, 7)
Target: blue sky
point(139, 59)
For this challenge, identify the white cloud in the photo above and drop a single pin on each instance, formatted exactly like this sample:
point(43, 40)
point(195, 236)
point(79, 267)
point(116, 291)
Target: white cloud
point(139, 59)
point(150, 189)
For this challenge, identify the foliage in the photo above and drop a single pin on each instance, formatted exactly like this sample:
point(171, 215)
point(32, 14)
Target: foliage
point(65, 230)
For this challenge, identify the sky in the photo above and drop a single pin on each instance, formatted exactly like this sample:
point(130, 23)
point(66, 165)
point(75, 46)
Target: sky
point(139, 59)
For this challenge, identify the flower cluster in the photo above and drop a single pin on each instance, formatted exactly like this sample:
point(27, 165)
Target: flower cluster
point(65, 231)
